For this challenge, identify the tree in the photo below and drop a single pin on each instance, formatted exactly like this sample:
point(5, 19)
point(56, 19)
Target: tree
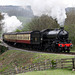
point(70, 17)
point(43, 22)
point(1, 17)
point(70, 24)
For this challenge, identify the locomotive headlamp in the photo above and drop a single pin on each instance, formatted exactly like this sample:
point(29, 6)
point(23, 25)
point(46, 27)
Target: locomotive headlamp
point(60, 45)
point(71, 45)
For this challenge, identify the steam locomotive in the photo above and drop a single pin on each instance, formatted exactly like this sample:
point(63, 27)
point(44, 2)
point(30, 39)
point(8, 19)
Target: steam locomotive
point(53, 40)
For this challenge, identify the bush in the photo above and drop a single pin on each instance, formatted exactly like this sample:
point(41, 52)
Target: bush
point(53, 63)
point(3, 49)
point(18, 30)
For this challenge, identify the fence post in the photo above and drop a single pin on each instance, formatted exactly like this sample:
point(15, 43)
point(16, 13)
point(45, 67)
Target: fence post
point(29, 67)
point(56, 63)
point(16, 69)
point(44, 65)
point(73, 62)
point(21, 69)
point(34, 67)
point(61, 63)
point(25, 69)
point(50, 63)
point(39, 66)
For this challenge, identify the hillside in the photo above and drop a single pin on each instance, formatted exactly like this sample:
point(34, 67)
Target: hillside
point(17, 10)
point(12, 58)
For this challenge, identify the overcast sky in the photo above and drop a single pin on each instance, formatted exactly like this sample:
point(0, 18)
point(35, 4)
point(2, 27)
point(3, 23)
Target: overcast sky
point(29, 2)
point(53, 8)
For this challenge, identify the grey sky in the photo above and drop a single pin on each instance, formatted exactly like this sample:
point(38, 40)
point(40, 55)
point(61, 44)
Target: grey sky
point(15, 2)
point(29, 2)
point(53, 8)
point(10, 2)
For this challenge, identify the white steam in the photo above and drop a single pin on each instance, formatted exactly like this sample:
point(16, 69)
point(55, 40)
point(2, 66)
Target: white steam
point(53, 8)
point(10, 24)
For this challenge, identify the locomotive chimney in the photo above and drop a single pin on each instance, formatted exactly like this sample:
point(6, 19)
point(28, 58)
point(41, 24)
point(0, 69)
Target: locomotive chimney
point(62, 28)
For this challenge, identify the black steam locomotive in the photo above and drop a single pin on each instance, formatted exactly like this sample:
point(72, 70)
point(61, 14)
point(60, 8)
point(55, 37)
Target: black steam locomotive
point(53, 40)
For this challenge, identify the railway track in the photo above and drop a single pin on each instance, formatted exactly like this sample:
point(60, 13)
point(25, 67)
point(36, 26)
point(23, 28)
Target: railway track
point(35, 51)
point(71, 53)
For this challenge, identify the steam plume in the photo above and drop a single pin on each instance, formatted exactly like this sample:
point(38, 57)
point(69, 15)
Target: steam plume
point(10, 24)
point(53, 8)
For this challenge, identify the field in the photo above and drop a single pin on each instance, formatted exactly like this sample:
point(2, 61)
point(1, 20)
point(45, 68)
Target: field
point(51, 72)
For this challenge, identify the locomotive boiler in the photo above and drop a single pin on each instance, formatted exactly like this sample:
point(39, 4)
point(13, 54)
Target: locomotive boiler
point(53, 40)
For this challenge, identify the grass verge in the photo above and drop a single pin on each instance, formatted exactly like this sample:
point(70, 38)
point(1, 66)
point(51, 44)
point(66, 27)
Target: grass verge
point(51, 72)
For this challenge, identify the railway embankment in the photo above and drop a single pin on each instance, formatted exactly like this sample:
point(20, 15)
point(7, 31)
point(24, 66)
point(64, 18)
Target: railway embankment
point(16, 59)
point(13, 59)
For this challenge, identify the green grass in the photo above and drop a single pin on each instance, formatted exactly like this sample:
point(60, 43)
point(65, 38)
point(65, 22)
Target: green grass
point(12, 58)
point(73, 48)
point(51, 72)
